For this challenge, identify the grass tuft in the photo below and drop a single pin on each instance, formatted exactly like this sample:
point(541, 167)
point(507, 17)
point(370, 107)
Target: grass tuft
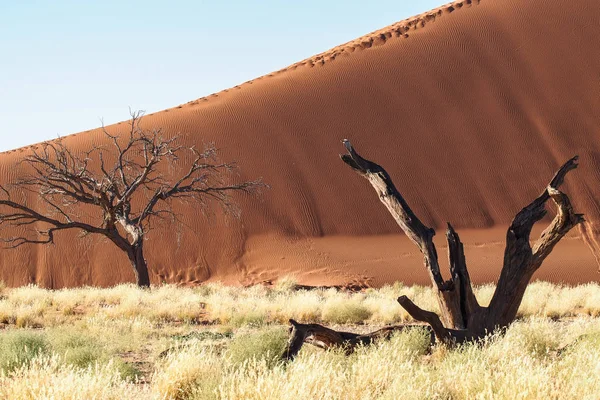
point(267, 344)
point(345, 311)
point(18, 348)
point(224, 343)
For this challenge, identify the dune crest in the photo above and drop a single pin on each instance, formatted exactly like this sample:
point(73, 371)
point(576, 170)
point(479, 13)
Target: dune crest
point(471, 114)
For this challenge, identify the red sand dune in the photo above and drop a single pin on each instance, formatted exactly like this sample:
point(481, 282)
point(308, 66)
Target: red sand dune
point(470, 107)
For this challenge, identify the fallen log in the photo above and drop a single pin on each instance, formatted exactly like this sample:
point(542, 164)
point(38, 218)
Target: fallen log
point(326, 338)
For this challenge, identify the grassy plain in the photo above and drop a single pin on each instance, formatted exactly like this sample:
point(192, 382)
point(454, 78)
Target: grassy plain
point(216, 342)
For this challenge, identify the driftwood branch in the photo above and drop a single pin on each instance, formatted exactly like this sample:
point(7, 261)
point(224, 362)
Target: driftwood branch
point(326, 338)
point(444, 335)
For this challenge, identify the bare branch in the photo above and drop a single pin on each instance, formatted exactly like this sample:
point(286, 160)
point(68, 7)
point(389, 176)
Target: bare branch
point(563, 222)
point(326, 338)
point(431, 318)
point(416, 231)
point(24, 215)
point(520, 260)
point(444, 335)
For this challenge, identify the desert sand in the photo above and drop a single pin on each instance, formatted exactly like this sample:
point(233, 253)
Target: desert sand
point(470, 107)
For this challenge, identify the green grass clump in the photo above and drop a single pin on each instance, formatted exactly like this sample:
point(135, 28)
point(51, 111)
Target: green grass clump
point(77, 349)
point(346, 311)
point(414, 341)
point(83, 351)
point(267, 344)
point(18, 348)
point(255, 319)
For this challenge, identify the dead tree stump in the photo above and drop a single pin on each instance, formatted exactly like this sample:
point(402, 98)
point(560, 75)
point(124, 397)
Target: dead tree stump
point(462, 317)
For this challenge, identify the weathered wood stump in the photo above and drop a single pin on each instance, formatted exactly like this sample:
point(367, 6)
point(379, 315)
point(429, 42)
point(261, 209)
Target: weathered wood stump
point(462, 317)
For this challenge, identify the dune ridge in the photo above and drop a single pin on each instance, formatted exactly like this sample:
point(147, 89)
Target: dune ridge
point(471, 116)
point(375, 38)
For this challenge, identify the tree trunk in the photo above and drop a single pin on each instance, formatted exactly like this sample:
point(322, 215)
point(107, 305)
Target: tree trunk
point(462, 318)
point(138, 262)
point(325, 338)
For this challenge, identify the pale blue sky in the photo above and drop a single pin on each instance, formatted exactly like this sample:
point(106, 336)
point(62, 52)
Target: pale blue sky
point(65, 64)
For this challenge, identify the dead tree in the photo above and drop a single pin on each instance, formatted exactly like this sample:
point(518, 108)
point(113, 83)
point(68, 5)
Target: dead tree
point(462, 317)
point(115, 191)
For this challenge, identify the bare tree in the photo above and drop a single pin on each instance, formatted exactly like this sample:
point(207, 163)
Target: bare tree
point(462, 317)
point(116, 190)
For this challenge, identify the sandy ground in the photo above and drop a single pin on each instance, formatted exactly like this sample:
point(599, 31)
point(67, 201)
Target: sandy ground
point(372, 261)
point(470, 107)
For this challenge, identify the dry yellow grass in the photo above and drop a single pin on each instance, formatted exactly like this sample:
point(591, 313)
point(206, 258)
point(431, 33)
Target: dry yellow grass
point(224, 341)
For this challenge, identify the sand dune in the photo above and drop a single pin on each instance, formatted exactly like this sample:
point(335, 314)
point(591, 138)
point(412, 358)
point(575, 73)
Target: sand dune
point(470, 107)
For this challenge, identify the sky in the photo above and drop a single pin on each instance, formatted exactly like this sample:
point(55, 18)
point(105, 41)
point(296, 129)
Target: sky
point(67, 65)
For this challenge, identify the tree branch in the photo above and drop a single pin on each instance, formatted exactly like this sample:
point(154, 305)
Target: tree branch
point(326, 338)
point(562, 223)
point(28, 216)
point(412, 226)
point(520, 261)
point(448, 294)
point(460, 275)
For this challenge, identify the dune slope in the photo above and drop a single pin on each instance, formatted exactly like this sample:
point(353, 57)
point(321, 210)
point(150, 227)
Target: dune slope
point(470, 107)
